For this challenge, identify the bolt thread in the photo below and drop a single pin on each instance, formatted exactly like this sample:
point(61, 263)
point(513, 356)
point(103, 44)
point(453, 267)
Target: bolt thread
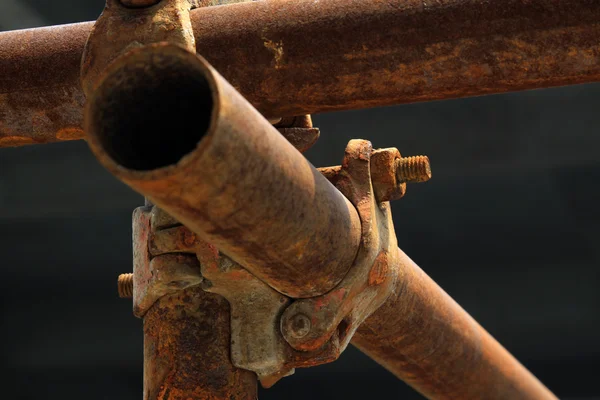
point(413, 169)
point(125, 286)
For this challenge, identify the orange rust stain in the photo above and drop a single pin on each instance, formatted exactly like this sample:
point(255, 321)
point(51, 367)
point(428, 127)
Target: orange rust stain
point(70, 134)
point(9, 141)
point(380, 269)
point(189, 238)
point(208, 256)
point(334, 297)
point(239, 275)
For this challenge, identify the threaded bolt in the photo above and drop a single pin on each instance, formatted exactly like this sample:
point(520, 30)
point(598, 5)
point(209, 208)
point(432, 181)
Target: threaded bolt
point(413, 169)
point(125, 286)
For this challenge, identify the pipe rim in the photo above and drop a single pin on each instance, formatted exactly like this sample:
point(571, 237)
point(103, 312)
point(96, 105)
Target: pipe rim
point(143, 55)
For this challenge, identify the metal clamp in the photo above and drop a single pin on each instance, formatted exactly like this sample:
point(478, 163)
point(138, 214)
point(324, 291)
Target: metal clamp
point(169, 258)
point(256, 341)
point(127, 24)
point(155, 276)
point(272, 334)
point(308, 324)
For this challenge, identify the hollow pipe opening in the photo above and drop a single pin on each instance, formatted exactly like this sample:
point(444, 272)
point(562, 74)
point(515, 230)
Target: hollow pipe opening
point(152, 108)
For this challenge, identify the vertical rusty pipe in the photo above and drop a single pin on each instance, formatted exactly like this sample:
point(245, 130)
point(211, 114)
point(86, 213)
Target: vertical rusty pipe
point(426, 339)
point(167, 124)
point(186, 350)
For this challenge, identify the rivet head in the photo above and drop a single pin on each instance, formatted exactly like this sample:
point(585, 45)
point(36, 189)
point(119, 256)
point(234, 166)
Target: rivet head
point(298, 326)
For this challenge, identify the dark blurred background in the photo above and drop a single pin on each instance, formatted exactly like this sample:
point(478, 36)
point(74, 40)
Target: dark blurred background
point(508, 226)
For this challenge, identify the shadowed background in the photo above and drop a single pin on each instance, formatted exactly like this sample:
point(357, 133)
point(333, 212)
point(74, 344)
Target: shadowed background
point(507, 226)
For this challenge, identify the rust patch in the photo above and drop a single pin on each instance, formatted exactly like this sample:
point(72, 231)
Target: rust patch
point(14, 141)
point(186, 350)
point(70, 134)
point(380, 270)
point(277, 49)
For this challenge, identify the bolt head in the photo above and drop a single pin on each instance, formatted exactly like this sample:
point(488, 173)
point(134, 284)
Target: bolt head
point(298, 326)
point(383, 175)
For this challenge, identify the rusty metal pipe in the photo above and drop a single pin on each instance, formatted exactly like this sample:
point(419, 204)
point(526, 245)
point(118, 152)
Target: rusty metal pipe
point(41, 100)
point(303, 56)
point(425, 338)
point(186, 350)
point(167, 124)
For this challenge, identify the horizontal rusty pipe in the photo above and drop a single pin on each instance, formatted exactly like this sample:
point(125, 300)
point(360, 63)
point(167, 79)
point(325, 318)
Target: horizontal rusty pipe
point(426, 339)
point(303, 56)
point(41, 100)
point(167, 124)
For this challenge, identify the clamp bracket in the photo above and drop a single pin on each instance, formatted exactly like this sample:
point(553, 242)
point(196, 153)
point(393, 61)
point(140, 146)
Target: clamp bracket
point(307, 324)
point(272, 334)
point(121, 28)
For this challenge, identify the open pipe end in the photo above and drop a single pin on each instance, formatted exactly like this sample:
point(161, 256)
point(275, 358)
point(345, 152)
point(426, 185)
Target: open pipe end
point(151, 109)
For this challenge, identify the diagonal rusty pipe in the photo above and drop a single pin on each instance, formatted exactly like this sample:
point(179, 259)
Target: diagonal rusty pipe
point(303, 56)
point(425, 338)
point(169, 126)
point(220, 168)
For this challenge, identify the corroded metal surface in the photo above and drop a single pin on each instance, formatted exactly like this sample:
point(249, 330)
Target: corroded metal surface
point(186, 330)
point(419, 333)
point(125, 286)
point(156, 275)
point(299, 131)
point(139, 3)
point(301, 138)
point(120, 29)
point(40, 97)
point(186, 350)
point(389, 173)
point(309, 323)
point(426, 339)
point(413, 169)
point(298, 57)
point(230, 177)
point(256, 341)
point(384, 163)
point(169, 273)
point(315, 56)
